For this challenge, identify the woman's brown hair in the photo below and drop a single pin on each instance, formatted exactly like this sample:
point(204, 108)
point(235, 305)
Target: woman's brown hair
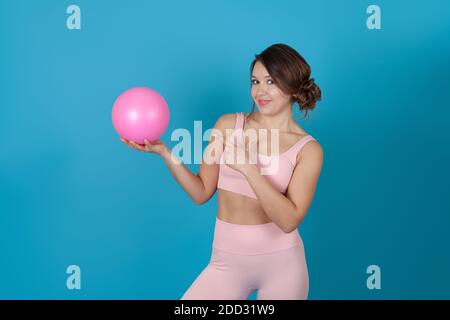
point(291, 73)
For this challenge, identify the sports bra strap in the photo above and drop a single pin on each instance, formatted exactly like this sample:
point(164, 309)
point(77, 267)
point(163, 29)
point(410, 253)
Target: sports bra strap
point(239, 121)
point(297, 147)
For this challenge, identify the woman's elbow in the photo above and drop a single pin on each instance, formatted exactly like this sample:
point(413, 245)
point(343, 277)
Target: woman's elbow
point(289, 229)
point(292, 226)
point(202, 199)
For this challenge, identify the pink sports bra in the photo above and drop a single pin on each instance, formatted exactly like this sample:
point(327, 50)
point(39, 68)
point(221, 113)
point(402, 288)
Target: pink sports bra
point(233, 180)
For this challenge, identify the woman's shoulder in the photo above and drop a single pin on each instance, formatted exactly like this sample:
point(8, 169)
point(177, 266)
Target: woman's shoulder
point(226, 121)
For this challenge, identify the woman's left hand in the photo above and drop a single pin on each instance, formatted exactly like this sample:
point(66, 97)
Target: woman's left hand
point(241, 157)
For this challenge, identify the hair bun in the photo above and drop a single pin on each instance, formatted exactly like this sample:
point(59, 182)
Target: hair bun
point(308, 94)
point(306, 85)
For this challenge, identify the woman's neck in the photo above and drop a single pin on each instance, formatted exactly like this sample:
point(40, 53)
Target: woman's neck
point(282, 121)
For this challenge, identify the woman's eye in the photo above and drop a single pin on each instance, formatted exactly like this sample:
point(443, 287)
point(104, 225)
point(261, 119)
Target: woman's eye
point(270, 81)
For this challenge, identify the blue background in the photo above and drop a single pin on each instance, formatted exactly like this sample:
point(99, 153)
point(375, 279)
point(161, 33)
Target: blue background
point(72, 193)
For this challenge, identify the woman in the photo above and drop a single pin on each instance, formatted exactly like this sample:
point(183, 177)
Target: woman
point(256, 243)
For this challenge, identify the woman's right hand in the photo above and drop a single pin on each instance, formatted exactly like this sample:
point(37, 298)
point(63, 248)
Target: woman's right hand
point(156, 146)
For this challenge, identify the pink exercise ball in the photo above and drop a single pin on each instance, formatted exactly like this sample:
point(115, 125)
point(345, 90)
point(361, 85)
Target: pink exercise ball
point(140, 113)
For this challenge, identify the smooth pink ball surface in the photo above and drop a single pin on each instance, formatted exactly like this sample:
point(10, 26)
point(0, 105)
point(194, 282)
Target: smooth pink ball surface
point(140, 113)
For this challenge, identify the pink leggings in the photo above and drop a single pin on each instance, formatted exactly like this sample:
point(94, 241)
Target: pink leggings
point(246, 258)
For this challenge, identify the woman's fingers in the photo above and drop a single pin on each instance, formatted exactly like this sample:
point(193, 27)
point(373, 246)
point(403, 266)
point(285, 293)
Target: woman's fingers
point(152, 147)
point(147, 147)
point(226, 142)
point(217, 138)
point(126, 142)
point(137, 146)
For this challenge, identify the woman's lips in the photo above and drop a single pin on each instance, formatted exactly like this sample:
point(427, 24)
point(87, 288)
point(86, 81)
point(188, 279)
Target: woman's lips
point(263, 102)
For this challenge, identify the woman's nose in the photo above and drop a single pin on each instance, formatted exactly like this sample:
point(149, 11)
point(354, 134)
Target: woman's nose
point(261, 90)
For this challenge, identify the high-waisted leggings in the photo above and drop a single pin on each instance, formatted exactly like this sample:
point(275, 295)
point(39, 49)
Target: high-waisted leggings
point(248, 258)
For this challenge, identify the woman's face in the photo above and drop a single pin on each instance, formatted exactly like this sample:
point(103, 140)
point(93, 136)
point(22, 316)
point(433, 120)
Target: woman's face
point(266, 94)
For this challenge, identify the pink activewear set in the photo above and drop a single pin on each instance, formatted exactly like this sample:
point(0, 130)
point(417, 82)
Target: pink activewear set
point(257, 257)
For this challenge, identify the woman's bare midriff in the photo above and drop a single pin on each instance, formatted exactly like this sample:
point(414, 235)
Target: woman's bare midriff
point(238, 209)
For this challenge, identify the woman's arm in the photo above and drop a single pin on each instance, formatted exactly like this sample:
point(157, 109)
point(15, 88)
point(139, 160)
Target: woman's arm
point(201, 187)
point(191, 183)
point(288, 211)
